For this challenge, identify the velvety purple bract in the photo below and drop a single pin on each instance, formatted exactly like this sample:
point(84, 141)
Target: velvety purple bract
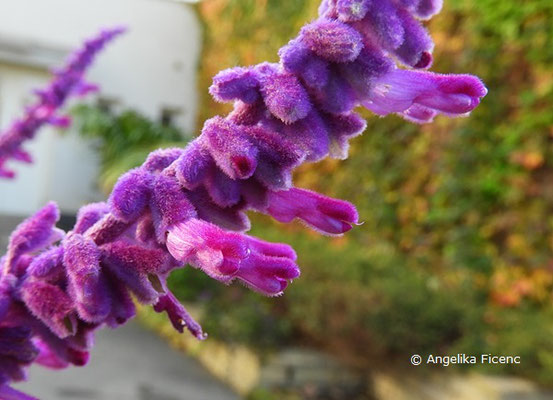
point(131, 194)
point(332, 40)
point(230, 148)
point(189, 206)
point(284, 95)
point(235, 84)
point(33, 234)
point(87, 285)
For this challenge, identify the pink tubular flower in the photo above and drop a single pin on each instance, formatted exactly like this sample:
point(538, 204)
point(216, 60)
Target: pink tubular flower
point(265, 267)
point(68, 81)
point(188, 206)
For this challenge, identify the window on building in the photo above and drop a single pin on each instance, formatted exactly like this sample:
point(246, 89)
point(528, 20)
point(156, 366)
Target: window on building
point(169, 115)
point(107, 104)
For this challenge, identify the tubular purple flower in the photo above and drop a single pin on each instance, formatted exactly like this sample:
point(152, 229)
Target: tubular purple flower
point(207, 247)
point(263, 266)
point(67, 82)
point(326, 215)
point(269, 267)
point(399, 90)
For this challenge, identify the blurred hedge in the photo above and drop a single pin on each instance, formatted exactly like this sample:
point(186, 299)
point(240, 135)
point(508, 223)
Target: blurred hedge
point(455, 254)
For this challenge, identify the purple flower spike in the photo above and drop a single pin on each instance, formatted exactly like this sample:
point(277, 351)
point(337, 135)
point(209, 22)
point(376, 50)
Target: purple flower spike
point(332, 40)
point(67, 82)
point(326, 215)
point(87, 285)
point(180, 318)
point(188, 206)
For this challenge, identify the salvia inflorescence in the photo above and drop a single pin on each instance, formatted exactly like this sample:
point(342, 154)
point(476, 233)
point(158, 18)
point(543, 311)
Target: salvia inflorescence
point(188, 206)
point(68, 81)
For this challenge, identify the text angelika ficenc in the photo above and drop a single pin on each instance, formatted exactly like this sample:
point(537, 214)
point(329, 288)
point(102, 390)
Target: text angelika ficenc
point(472, 359)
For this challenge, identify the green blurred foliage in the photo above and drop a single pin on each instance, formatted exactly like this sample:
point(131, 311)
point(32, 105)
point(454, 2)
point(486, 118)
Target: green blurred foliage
point(123, 140)
point(456, 250)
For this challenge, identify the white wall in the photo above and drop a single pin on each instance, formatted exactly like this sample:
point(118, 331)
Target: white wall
point(151, 67)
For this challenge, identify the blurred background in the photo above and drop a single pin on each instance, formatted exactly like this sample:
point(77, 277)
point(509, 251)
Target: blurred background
point(455, 255)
